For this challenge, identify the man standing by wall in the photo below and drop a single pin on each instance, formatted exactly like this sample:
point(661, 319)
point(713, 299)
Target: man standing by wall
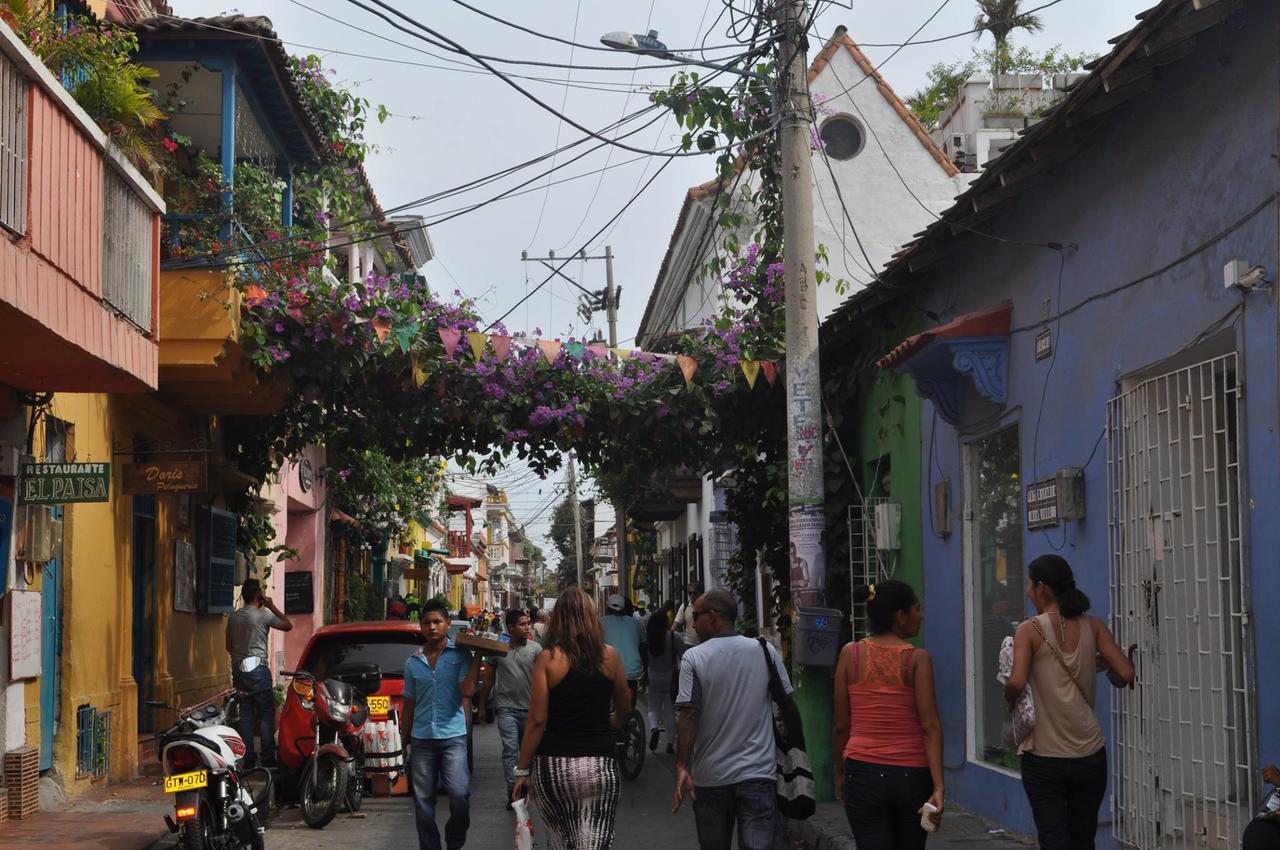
point(247, 630)
point(511, 686)
point(437, 679)
point(725, 758)
point(684, 617)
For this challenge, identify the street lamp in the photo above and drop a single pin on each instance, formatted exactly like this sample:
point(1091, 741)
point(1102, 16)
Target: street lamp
point(649, 45)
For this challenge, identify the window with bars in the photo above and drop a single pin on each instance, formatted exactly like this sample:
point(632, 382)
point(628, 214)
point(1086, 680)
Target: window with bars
point(126, 250)
point(13, 147)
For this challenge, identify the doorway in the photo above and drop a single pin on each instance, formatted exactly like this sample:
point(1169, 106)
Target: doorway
point(57, 437)
point(144, 605)
point(1185, 734)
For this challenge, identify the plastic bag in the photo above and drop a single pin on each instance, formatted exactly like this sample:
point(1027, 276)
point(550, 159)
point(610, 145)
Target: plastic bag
point(1024, 708)
point(524, 825)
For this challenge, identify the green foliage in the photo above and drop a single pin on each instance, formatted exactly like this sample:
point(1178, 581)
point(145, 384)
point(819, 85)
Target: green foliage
point(94, 60)
point(562, 539)
point(356, 604)
point(945, 78)
point(256, 534)
point(381, 493)
point(1003, 17)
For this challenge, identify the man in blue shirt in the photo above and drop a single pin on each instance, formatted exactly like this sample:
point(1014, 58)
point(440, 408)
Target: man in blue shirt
point(625, 634)
point(437, 679)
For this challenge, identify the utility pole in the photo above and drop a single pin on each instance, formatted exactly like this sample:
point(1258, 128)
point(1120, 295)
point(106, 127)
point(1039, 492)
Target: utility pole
point(577, 518)
point(619, 509)
point(806, 519)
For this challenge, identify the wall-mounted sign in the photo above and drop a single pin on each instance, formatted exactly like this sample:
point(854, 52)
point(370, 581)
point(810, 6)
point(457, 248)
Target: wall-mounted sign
point(64, 483)
point(1042, 504)
point(306, 475)
point(299, 597)
point(167, 476)
point(1044, 344)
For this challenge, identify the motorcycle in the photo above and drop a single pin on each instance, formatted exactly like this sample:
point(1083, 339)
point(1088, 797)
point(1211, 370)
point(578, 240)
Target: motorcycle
point(214, 806)
point(333, 772)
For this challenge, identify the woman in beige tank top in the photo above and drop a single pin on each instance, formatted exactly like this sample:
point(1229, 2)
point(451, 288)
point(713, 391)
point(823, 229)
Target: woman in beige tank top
point(1059, 653)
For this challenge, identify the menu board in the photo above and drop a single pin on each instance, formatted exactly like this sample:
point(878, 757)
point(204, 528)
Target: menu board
point(299, 595)
point(24, 634)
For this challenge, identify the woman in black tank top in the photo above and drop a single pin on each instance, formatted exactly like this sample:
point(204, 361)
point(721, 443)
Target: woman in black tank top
point(579, 696)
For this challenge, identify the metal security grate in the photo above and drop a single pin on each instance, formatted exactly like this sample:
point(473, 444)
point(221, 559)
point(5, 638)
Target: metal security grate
point(126, 251)
point(867, 563)
point(93, 742)
point(14, 116)
point(723, 545)
point(1184, 736)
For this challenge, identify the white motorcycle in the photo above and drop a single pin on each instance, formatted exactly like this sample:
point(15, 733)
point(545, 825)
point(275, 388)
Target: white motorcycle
point(214, 808)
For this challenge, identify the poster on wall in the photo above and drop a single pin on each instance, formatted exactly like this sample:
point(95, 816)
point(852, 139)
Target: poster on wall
point(184, 577)
point(299, 597)
point(24, 634)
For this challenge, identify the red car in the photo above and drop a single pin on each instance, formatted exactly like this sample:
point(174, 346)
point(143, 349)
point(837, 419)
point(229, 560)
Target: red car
point(388, 644)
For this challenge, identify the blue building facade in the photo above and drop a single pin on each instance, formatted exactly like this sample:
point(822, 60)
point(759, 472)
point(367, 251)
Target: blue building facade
point(1085, 327)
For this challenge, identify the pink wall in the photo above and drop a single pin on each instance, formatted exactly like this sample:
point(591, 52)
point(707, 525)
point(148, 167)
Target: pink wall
point(301, 525)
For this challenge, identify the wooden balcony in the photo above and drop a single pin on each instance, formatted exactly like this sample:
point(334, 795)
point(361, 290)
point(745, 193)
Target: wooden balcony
point(79, 243)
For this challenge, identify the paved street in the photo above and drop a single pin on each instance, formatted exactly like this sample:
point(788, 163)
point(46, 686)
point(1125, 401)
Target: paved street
point(644, 813)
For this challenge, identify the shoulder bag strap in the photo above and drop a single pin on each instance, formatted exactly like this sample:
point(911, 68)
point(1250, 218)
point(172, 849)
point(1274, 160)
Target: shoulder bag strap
point(1062, 661)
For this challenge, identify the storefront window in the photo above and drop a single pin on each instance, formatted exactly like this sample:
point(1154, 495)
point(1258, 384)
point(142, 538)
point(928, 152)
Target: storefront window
point(997, 582)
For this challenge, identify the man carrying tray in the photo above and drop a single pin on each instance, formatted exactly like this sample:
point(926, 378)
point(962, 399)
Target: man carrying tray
point(437, 678)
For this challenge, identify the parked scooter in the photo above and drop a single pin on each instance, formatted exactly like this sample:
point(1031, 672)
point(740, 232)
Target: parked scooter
point(213, 805)
point(332, 770)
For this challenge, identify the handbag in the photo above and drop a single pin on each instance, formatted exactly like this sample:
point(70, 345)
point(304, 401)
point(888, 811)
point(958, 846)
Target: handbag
point(1024, 707)
point(796, 794)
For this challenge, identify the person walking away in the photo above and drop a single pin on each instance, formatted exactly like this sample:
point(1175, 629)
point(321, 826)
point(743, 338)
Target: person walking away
point(247, 630)
point(576, 706)
point(664, 649)
point(540, 626)
point(623, 633)
point(510, 691)
point(887, 726)
point(684, 617)
point(725, 757)
point(1058, 652)
point(437, 678)
point(1263, 832)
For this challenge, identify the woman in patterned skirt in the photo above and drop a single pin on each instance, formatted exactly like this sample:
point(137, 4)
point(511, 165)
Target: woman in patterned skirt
point(579, 698)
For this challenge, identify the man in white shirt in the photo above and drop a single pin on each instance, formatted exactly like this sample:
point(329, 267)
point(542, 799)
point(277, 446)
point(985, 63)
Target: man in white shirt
point(684, 617)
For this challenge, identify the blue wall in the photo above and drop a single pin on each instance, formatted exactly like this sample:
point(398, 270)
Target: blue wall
point(1158, 177)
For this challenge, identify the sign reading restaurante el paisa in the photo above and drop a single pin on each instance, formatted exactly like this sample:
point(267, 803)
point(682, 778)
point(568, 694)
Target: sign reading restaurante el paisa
point(64, 483)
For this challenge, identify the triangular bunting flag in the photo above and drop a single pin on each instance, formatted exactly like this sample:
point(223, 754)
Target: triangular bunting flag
point(501, 345)
point(670, 358)
point(770, 371)
point(381, 327)
point(575, 349)
point(687, 365)
point(405, 334)
point(254, 295)
point(750, 368)
point(477, 341)
point(450, 337)
point(644, 356)
point(598, 350)
point(550, 349)
point(622, 353)
point(419, 374)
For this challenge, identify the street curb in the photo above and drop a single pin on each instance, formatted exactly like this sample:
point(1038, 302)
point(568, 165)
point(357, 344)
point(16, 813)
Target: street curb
point(816, 837)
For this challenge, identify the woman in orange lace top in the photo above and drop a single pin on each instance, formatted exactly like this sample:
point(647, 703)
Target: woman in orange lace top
point(887, 726)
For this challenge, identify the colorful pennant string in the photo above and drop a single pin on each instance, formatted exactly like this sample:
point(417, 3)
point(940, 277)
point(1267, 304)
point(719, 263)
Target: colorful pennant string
point(381, 327)
point(601, 351)
point(770, 371)
point(550, 349)
point(501, 346)
point(254, 295)
point(478, 342)
point(450, 337)
point(688, 366)
point(751, 369)
point(575, 349)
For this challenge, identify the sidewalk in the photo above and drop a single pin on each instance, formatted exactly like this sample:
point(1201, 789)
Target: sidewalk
point(829, 830)
point(109, 817)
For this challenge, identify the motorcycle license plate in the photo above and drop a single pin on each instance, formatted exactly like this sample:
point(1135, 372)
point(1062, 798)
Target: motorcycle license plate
point(186, 781)
point(380, 706)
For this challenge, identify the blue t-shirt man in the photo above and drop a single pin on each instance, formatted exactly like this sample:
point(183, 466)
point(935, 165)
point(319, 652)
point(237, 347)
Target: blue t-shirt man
point(624, 634)
point(438, 681)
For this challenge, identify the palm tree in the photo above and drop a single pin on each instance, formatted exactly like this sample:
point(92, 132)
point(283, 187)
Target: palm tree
point(1001, 18)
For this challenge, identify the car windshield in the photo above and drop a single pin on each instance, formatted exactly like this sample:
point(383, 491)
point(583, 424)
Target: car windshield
point(388, 651)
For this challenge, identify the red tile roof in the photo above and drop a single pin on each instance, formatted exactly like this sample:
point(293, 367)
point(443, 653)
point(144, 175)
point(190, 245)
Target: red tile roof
point(982, 323)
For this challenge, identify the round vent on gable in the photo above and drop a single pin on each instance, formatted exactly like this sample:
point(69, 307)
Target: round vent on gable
point(842, 136)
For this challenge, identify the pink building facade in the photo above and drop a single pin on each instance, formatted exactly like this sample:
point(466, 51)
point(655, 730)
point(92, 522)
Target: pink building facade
point(297, 585)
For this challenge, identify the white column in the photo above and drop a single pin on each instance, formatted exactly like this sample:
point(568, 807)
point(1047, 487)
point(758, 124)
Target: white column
point(708, 544)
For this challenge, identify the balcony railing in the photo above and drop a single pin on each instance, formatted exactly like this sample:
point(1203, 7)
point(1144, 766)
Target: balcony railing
point(127, 251)
point(13, 146)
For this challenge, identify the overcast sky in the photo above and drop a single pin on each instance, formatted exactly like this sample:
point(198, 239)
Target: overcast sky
point(448, 126)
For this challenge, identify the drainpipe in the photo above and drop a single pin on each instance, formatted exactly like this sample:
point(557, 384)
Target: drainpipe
point(377, 609)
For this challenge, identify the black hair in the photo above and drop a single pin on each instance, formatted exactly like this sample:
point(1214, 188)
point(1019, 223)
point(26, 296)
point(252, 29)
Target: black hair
point(889, 597)
point(656, 628)
point(1054, 572)
point(513, 617)
point(251, 590)
point(436, 605)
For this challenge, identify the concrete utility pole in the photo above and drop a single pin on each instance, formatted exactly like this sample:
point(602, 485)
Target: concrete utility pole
point(619, 509)
point(806, 520)
point(577, 517)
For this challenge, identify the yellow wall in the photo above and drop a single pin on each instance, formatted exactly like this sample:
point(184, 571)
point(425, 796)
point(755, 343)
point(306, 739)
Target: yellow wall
point(97, 609)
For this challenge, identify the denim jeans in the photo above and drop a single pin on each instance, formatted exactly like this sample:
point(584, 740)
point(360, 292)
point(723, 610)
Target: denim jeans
point(1065, 795)
point(440, 762)
point(257, 712)
point(752, 805)
point(882, 803)
point(1262, 834)
point(511, 732)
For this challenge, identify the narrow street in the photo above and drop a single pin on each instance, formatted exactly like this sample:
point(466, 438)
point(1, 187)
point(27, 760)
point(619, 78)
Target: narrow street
point(644, 813)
